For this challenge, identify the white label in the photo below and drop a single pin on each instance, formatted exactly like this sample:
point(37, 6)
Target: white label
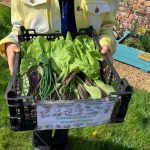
point(74, 114)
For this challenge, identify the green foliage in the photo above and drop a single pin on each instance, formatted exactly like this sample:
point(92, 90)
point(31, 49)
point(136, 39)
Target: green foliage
point(68, 55)
point(62, 56)
point(5, 21)
point(141, 42)
point(145, 41)
point(133, 42)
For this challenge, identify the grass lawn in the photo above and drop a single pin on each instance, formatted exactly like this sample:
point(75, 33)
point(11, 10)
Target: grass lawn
point(132, 134)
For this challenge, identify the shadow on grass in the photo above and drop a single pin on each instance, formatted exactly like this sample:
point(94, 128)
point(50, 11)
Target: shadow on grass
point(84, 144)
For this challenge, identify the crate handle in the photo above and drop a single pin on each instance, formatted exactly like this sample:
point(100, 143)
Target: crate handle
point(95, 38)
point(12, 82)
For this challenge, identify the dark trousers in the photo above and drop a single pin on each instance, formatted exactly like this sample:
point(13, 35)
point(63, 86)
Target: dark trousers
point(44, 138)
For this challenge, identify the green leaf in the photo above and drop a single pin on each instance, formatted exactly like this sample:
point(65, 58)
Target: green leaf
point(94, 91)
point(68, 36)
point(24, 83)
point(27, 62)
point(105, 87)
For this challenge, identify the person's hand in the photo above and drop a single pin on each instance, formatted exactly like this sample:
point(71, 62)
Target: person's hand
point(11, 48)
point(105, 51)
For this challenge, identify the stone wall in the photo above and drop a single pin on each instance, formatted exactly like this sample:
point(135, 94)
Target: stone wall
point(133, 14)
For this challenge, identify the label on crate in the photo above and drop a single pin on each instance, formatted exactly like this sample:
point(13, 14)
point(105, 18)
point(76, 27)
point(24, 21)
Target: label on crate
point(73, 114)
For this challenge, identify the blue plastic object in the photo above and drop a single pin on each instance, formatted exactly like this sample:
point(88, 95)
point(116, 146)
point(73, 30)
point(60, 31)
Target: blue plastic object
point(129, 55)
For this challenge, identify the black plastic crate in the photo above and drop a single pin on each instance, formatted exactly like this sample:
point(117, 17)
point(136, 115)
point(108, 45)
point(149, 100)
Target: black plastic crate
point(23, 110)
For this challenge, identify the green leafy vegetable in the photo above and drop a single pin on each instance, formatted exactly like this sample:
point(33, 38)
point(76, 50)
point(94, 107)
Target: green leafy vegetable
point(59, 62)
point(105, 87)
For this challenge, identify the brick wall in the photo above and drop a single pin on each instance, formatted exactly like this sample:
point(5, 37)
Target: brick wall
point(134, 14)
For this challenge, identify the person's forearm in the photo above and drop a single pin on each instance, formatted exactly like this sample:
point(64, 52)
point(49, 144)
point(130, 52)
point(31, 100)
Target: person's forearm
point(106, 33)
point(9, 45)
point(11, 48)
point(16, 19)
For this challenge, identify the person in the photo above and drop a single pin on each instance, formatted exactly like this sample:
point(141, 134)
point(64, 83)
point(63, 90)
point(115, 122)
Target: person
point(56, 16)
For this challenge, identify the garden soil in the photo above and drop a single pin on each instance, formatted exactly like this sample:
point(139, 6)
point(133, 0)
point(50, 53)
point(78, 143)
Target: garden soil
point(134, 76)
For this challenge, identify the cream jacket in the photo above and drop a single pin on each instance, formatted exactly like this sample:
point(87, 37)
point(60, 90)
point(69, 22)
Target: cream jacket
point(44, 17)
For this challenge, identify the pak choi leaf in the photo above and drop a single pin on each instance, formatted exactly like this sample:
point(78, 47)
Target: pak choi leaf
point(105, 87)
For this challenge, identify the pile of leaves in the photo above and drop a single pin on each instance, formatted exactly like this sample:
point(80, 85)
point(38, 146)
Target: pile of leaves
point(63, 68)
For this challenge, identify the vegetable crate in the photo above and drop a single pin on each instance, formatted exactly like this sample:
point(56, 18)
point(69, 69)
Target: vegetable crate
point(27, 114)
